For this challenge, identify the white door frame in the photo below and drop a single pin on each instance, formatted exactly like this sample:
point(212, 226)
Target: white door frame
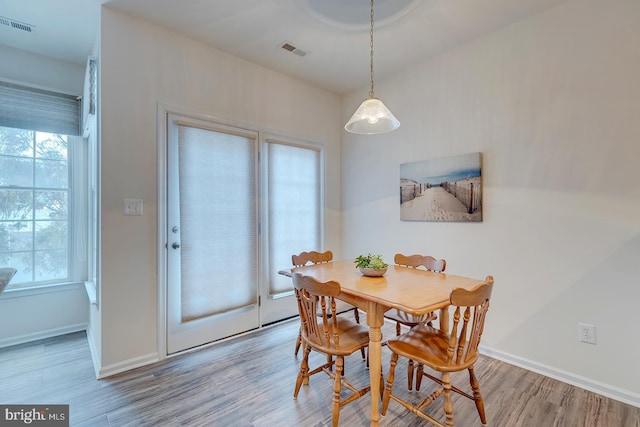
point(266, 316)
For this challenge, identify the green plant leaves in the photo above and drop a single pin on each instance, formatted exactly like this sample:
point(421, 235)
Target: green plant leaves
point(370, 261)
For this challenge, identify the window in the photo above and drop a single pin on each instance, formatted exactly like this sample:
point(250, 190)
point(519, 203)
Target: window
point(35, 205)
point(294, 186)
point(38, 183)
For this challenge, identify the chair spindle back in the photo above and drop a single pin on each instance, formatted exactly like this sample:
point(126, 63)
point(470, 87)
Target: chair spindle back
point(311, 257)
point(315, 298)
point(426, 261)
point(471, 308)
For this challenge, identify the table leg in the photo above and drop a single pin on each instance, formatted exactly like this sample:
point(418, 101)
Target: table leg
point(444, 319)
point(375, 319)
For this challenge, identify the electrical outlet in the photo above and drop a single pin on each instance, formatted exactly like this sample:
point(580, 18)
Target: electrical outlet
point(132, 207)
point(586, 333)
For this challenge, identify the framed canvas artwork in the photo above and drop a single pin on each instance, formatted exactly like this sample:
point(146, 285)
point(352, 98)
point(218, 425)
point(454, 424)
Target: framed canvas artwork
point(447, 189)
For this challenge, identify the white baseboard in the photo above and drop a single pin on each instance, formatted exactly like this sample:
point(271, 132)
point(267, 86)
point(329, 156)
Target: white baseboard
point(95, 355)
point(125, 365)
point(21, 339)
point(624, 396)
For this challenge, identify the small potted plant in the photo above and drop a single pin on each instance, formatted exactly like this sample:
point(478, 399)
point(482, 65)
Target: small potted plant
point(371, 265)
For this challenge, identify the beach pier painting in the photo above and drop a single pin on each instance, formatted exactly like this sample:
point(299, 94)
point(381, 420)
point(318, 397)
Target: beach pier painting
point(448, 189)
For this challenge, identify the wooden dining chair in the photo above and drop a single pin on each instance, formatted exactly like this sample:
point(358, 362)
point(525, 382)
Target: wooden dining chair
point(329, 334)
point(314, 257)
point(410, 320)
point(445, 352)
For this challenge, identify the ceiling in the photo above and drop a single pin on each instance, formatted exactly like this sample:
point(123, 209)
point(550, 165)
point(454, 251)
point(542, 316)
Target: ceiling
point(333, 34)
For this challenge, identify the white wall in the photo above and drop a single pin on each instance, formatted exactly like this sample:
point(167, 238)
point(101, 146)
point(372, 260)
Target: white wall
point(54, 311)
point(40, 71)
point(553, 103)
point(37, 314)
point(142, 65)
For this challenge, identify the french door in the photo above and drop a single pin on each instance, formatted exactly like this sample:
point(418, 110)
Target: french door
point(233, 218)
point(212, 220)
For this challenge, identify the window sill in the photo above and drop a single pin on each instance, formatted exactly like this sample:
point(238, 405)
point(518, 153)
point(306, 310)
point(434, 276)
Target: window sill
point(282, 295)
point(39, 290)
point(91, 292)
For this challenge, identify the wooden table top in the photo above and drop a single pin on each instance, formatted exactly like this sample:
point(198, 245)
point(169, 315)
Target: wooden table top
point(411, 290)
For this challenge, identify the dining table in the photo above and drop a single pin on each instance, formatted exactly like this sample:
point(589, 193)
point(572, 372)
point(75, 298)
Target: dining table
point(411, 290)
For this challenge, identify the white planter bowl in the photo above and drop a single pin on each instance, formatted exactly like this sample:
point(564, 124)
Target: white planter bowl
point(372, 272)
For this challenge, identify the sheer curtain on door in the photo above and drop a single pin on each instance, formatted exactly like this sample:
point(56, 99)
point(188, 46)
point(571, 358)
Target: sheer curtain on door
point(217, 222)
point(294, 207)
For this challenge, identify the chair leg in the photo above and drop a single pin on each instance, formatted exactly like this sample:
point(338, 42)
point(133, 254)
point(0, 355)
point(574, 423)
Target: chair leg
point(398, 329)
point(477, 397)
point(410, 375)
point(304, 369)
point(337, 387)
point(356, 315)
point(419, 373)
point(448, 404)
point(298, 342)
point(386, 396)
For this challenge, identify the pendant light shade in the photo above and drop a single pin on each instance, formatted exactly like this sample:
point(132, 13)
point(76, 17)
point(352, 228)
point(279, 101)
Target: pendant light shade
point(372, 116)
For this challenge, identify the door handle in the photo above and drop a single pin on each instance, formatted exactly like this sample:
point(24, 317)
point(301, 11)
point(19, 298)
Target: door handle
point(175, 245)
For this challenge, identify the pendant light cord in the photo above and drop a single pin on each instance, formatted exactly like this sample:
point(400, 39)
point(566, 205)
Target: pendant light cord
point(371, 93)
point(372, 116)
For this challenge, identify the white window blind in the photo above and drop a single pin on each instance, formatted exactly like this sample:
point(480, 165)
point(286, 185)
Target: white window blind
point(41, 110)
point(294, 207)
point(217, 221)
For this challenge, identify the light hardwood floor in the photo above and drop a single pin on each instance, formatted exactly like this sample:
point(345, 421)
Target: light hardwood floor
point(248, 381)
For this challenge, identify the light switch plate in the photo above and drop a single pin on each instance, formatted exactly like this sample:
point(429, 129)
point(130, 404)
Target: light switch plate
point(132, 207)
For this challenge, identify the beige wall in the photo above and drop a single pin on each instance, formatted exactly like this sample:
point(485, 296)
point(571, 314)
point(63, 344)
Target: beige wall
point(553, 103)
point(143, 65)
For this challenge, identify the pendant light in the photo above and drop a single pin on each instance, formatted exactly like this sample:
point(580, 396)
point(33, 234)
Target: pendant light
point(372, 116)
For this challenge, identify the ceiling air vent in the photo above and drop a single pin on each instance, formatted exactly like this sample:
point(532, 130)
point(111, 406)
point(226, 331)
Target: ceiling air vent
point(291, 48)
point(17, 25)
